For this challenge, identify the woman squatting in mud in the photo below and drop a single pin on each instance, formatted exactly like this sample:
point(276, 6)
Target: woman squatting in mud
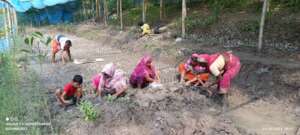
point(224, 66)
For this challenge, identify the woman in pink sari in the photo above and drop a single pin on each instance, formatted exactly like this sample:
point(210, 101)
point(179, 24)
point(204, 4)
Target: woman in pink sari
point(225, 66)
point(144, 73)
point(110, 81)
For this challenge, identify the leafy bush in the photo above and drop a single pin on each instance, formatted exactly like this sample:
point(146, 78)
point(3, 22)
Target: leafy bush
point(89, 111)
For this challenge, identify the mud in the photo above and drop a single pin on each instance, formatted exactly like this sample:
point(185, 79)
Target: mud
point(264, 98)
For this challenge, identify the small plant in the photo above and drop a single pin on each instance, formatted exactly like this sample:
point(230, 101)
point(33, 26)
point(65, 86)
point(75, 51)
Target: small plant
point(124, 99)
point(89, 111)
point(110, 98)
point(37, 43)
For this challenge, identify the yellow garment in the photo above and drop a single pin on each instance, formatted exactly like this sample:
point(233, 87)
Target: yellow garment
point(216, 68)
point(146, 29)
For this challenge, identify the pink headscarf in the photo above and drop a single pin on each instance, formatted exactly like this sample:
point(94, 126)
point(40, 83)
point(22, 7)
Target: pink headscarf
point(143, 69)
point(200, 58)
point(203, 57)
point(108, 69)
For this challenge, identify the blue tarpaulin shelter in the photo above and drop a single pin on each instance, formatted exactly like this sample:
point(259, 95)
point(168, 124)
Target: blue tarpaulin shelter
point(25, 5)
point(44, 11)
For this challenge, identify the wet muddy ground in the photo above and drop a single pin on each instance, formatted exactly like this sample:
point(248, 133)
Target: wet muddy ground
point(264, 98)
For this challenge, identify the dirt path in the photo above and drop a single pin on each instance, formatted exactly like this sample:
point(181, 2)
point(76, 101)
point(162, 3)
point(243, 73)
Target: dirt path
point(172, 110)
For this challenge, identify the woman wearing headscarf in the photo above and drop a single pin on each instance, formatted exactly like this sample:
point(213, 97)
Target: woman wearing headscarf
point(144, 73)
point(110, 81)
point(193, 71)
point(225, 66)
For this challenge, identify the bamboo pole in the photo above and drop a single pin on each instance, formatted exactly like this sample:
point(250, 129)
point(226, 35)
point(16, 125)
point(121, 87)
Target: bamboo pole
point(262, 23)
point(184, 13)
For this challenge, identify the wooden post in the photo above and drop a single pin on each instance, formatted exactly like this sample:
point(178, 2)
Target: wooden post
point(121, 14)
point(105, 12)
point(184, 13)
point(262, 23)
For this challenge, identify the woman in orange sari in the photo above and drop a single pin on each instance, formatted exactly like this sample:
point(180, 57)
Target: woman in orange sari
point(194, 71)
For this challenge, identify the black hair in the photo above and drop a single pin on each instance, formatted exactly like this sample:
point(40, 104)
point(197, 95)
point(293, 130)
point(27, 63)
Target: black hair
point(141, 23)
point(78, 79)
point(68, 42)
point(194, 59)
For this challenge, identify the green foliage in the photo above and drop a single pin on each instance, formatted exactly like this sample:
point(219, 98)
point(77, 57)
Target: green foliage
point(89, 111)
point(227, 4)
point(110, 98)
point(18, 91)
point(196, 21)
point(294, 5)
point(250, 26)
point(36, 50)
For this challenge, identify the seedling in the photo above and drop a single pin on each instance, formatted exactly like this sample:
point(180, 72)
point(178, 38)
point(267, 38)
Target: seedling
point(89, 111)
point(110, 98)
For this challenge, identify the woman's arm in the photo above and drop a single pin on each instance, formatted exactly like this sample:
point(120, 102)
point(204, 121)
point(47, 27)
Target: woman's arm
point(120, 91)
point(149, 79)
point(157, 76)
point(98, 91)
point(182, 74)
point(191, 81)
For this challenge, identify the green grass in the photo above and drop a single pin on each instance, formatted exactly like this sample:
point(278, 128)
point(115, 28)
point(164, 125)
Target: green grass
point(22, 98)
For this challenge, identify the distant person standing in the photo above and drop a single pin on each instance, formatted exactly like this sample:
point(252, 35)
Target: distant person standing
point(60, 42)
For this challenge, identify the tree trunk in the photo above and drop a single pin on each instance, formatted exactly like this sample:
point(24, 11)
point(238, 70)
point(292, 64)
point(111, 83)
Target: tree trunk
point(105, 12)
point(118, 8)
point(97, 10)
point(6, 24)
point(184, 13)
point(121, 14)
point(161, 15)
point(144, 10)
point(262, 23)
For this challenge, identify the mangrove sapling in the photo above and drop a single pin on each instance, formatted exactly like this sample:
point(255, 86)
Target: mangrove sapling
point(89, 111)
point(36, 48)
point(110, 98)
